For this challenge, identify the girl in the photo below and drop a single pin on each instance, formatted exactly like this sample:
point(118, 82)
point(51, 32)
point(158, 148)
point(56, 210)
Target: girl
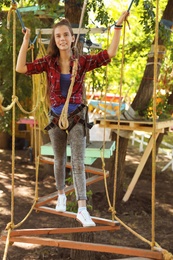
point(58, 65)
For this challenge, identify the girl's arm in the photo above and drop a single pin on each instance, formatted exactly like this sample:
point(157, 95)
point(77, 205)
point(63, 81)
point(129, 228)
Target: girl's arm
point(112, 50)
point(21, 60)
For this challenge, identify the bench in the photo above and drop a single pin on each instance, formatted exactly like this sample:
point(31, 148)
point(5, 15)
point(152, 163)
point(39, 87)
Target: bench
point(93, 150)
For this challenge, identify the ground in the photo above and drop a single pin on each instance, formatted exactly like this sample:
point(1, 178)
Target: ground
point(136, 212)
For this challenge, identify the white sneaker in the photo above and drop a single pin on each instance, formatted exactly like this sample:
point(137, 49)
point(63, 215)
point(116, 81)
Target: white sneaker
point(85, 218)
point(61, 203)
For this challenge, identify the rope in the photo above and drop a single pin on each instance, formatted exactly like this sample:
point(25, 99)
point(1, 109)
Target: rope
point(81, 21)
point(13, 141)
point(154, 129)
point(104, 133)
point(155, 246)
point(10, 226)
point(63, 120)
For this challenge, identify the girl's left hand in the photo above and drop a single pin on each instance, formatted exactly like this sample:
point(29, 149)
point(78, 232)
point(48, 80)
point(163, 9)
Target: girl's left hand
point(123, 17)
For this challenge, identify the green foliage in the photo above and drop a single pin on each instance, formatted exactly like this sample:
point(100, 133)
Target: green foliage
point(101, 15)
point(71, 198)
point(5, 3)
point(138, 40)
point(23, 84)
point(164, 89)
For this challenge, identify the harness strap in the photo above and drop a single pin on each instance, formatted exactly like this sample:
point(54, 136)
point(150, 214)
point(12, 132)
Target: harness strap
point(76, 119)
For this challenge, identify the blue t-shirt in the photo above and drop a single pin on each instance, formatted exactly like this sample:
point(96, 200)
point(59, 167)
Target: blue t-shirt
point(64, 85)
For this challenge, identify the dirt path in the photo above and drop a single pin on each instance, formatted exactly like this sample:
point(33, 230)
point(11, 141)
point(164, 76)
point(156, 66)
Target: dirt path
point(136, 212)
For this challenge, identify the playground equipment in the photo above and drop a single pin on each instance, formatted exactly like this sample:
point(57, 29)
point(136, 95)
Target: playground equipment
point(14, 234)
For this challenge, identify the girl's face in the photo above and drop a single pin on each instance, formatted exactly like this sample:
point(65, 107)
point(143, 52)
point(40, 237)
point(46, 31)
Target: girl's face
point(63, 38)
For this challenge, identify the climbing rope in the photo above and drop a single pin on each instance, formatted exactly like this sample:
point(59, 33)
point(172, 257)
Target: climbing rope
point(63, 120)
point(10, 226)
point(155, 82)
point(81, 21)
point(154, 245)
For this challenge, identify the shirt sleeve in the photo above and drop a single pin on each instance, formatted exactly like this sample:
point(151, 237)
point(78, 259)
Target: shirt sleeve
point(37, 66)
point(97, 60)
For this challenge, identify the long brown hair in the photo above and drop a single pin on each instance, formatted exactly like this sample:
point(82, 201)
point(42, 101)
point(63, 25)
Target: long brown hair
point(52, 48)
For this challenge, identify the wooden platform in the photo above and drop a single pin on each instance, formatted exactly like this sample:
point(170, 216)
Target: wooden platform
point(138, 125)
point(93, 150)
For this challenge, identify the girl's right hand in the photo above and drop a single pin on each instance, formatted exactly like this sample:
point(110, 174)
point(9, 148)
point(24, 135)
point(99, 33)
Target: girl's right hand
point(27, 33)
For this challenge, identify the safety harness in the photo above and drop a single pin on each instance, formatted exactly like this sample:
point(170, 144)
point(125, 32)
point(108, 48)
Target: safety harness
point(75, 119)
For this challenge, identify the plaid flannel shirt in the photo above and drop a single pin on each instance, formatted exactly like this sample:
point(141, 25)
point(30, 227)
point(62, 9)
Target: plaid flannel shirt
point(52, 68)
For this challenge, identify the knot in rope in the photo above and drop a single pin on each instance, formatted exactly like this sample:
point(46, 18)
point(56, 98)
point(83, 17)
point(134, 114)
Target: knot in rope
point(14, 6)
point(10, 225)
point(31, 47)
point(167, 255)
point(112, 210)
point(63, 122)
point(14, 98)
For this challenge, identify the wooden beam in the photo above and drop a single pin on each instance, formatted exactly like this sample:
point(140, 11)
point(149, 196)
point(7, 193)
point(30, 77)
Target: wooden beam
point(140, 167)
point(72, 215)
point(88, 169)
point(51, 231)
point(45, 199)
point(130, 125)
point(89, 246)
point(48, 31)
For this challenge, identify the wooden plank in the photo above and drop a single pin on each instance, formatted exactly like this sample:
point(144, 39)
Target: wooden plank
point(88, 169)
point(140, 168)
point(141, 125)
point(89, 246)
point(51, 231)
point(53, 196)
point(48, 31)
point(93, 150)
point(72, 215)
point(133, 258)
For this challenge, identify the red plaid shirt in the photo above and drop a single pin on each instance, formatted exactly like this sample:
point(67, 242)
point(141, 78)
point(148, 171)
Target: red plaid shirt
point(52, 68)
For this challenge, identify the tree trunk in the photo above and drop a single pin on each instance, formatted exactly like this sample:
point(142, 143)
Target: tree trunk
point(141, 102)
point(117, 186)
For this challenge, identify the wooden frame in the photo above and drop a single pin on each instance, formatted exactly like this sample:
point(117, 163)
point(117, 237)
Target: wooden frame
point(138, 125)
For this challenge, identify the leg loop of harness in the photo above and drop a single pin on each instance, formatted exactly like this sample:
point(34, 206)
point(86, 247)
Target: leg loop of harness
point(76, 119)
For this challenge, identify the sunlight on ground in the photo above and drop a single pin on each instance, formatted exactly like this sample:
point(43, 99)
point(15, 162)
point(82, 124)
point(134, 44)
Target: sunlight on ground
point(3, 176)
point(20, 191)
point(5, 211)
point(166, 207)
point(25, 245)
point(135, 160)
